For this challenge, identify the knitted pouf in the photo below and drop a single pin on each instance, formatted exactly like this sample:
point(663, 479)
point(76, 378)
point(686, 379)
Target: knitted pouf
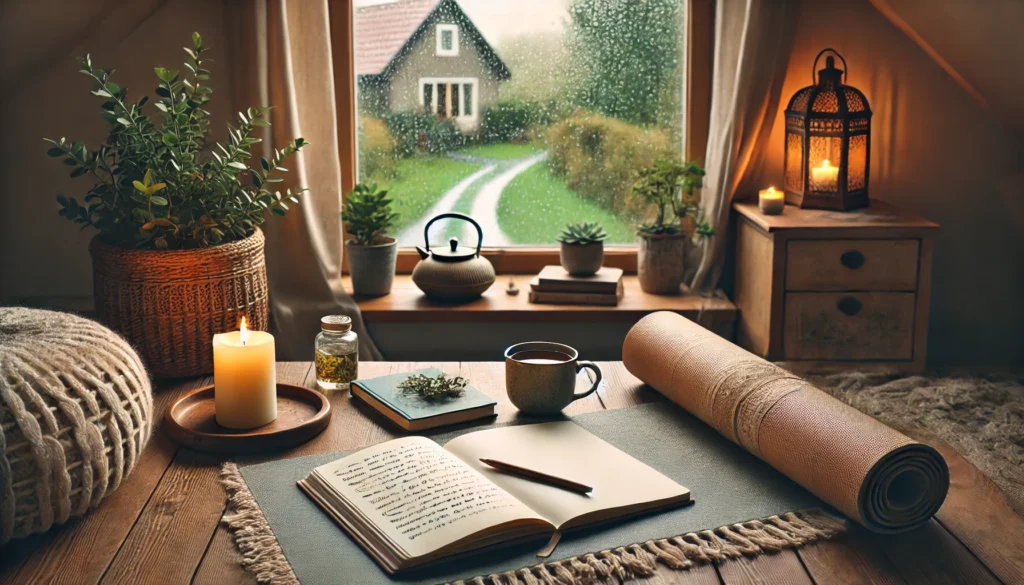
point(75, 413)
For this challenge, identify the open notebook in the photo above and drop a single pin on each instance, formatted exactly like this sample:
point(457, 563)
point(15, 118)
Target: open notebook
point(409, 501)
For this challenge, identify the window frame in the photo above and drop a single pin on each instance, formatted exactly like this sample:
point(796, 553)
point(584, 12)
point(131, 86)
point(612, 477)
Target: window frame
point(698, 58)
point(439, 30)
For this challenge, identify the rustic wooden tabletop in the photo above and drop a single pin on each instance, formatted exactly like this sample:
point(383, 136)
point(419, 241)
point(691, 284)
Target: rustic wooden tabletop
point(163, 525)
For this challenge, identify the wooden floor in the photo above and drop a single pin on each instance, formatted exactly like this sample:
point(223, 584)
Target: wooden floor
point(163, 525)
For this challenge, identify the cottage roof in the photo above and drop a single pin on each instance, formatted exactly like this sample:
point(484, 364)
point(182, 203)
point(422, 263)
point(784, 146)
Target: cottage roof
point(385, 32)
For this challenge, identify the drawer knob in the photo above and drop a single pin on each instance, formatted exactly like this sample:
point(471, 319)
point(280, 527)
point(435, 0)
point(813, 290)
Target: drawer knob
point(849, 306)
point(852, 259)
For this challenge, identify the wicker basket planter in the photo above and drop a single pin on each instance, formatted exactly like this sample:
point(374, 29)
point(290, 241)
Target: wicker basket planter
point(168, 304)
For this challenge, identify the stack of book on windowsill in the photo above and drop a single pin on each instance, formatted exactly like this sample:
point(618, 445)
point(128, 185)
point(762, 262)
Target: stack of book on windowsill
point(555, 286)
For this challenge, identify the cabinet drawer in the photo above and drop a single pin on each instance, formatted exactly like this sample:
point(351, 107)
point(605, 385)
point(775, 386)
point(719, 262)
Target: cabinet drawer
point(852, 265)
point(849, 326)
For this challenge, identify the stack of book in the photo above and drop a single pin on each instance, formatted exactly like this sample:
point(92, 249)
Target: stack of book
point(555, 286)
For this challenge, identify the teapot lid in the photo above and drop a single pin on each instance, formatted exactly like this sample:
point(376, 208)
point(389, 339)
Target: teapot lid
point(453, 252)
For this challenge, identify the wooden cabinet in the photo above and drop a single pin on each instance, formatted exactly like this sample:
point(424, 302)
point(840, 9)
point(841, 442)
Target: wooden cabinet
point(828, 288)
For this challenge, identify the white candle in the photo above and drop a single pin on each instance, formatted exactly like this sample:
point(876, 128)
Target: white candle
point(244, 378)
point(771, 202)
point(825, 178)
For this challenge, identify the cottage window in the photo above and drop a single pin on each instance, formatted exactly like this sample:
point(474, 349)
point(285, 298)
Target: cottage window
point(539, 125)
point(447, 40)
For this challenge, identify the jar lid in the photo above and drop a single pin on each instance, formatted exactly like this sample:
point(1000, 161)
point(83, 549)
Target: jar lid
point(336, 323)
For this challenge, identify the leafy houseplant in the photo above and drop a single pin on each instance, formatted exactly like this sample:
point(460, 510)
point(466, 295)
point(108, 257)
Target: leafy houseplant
point(179, 256)
point(371, 254)
point(668, 186)
point(582, 250)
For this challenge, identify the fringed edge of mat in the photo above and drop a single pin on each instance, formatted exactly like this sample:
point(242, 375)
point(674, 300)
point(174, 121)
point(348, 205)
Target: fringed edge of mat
point(262, 554)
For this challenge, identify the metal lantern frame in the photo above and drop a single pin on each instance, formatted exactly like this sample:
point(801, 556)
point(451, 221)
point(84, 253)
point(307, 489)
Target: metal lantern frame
point(825, 120)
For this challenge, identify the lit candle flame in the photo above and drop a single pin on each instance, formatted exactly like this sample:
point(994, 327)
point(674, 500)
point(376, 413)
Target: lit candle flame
point(771, 190)
point(243, 332)
point(825, 164)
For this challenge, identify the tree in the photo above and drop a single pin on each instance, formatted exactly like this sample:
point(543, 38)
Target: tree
point(625, 56)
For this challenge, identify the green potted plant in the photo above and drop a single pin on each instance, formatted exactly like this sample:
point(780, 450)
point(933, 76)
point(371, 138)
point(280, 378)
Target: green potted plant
point(668, 186)
point(179, 254)
point(582, 250)
point(371, 254)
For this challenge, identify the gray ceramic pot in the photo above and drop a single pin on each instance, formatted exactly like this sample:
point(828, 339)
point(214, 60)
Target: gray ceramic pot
point(582, 260)
point(372, 267)
point(660, 263)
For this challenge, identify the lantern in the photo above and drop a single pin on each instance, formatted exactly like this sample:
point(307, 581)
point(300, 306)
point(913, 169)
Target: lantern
point(828, 142)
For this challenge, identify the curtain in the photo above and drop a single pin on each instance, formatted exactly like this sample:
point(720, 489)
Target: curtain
point(280, 53)
point(752, 43)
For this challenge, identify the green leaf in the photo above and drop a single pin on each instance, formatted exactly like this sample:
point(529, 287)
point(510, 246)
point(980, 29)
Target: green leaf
point(139, 186)
point(78, 172)
point(197, 41)
point(263, 161)
point(237, 165)
point(158, 200)
point(113, 88)
point(169, 139)
point(124, 122)
point(55, 152)
point(166, 75)
point(260, 122)
point(161, 106)
point(279, 211)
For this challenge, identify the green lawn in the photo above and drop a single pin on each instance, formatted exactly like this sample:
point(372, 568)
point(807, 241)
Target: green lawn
point(420, 182)
point(502, 151)
point(536, 206)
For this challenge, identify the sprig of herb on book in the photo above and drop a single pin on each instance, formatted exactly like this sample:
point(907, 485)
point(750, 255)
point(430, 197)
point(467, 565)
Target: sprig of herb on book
point(434, 388)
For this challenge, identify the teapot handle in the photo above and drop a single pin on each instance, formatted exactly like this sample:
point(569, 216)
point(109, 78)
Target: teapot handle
point(453, 215)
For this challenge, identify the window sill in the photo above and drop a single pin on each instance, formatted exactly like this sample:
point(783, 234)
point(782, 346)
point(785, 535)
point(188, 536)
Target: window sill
point(406, 303)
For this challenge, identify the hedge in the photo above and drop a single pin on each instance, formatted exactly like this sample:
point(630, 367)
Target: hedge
point(598, 157)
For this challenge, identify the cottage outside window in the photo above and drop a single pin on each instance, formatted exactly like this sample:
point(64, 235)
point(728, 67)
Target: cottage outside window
point(526, 125)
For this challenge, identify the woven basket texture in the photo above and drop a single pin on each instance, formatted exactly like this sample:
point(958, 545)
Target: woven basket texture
point(169, 304)
point(75, 413)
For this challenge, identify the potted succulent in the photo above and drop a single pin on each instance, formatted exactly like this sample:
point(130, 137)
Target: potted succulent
point(582, 250)
point(668, 186)
point(179, 255)
point(371, 254)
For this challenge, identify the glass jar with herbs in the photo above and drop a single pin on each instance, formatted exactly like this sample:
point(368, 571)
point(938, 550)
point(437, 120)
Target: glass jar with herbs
point(337, 353)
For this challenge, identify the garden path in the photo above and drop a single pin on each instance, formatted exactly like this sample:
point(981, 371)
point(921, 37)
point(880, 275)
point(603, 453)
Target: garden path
point(485, 206)
point(414, 232)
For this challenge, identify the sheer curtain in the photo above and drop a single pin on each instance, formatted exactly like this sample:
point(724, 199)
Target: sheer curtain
point(752, 43)
point(280, 53)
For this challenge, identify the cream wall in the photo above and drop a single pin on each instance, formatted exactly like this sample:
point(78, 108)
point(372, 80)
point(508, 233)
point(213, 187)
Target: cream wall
point(43, 257)
point(935, 151)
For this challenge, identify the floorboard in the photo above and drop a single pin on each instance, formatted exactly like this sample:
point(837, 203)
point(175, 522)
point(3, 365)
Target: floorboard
point(850, 559)
point(930, 555)
point(979, 515)
point(768, 569)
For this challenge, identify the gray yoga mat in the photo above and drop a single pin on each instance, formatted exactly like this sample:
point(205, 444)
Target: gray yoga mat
point(728, 486)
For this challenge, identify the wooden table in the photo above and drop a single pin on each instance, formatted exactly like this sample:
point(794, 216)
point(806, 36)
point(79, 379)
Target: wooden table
point(163, 525)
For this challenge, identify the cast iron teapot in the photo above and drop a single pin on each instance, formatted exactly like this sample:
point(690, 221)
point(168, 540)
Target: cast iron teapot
point(453, 273)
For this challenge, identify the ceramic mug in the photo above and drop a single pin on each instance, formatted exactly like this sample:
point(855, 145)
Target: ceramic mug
point(540, 376)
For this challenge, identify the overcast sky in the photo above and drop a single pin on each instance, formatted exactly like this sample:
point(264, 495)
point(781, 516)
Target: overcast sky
point(499, 20)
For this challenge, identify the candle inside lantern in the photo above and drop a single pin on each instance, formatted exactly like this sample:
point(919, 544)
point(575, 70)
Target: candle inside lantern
point(825, 178)
point(244, 378)
point(771, 202)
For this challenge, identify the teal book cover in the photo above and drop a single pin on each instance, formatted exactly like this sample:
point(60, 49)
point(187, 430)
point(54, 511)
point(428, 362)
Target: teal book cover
point(413, 407)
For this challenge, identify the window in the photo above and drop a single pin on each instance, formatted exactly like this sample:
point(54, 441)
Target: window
point(543, 122)
point(447, 40)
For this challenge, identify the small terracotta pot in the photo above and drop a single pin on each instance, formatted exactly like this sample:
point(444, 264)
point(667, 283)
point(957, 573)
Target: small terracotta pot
point(581, 260)
point(660, 263)
point(372, 267)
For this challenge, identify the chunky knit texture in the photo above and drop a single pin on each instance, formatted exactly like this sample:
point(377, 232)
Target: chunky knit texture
point(75, 413)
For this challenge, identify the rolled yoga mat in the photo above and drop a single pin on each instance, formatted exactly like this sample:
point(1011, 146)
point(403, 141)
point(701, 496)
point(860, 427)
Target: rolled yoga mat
point(879, 477)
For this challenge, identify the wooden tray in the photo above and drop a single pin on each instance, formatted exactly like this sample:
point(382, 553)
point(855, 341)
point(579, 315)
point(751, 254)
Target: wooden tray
point(301, 415)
